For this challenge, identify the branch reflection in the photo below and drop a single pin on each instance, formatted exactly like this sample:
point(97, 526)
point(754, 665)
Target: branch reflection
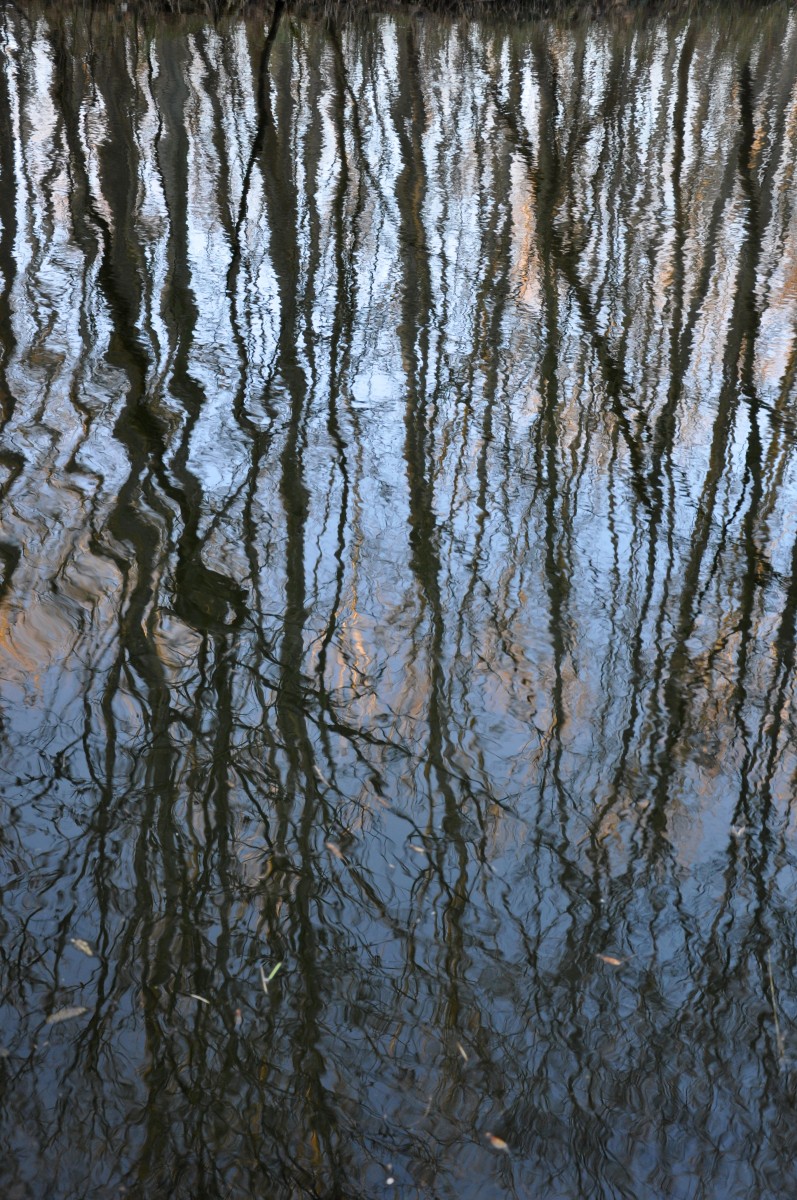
point(398, 584)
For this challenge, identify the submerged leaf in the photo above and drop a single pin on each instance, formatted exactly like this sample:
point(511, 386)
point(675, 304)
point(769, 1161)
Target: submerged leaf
point(335, 850)
point(611, 960)
point(497, 1143)
point(201, 999)
point(65, 1014)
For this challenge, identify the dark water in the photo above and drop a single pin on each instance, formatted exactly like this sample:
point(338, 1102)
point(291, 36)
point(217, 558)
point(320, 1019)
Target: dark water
point(399, 584)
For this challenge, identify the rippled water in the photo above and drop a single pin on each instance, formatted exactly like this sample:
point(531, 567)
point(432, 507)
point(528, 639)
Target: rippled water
point(398, 614)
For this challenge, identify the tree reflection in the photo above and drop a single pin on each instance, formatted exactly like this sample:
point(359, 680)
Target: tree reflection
point(398, 600)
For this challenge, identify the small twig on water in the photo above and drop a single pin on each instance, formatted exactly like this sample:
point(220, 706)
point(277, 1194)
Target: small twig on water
point(778, 1034)
point(266, 979)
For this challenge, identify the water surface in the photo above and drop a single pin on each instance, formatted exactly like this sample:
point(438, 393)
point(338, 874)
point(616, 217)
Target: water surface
point(398, 532)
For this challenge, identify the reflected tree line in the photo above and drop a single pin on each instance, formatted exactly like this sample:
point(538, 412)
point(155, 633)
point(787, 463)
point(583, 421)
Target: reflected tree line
point(399, 569)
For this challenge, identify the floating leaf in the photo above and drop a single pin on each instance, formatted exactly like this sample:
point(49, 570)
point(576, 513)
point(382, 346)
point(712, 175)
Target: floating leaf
point(82, 946)
point(417, 849)
point(238, 1018)
point(273, 972)
point(497, 1143)
point(611, 960)
point(65, 1014)
point(201, 999)
point(461, 1049)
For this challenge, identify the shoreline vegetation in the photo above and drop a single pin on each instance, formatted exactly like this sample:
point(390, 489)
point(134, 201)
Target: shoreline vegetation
point(217, 10)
